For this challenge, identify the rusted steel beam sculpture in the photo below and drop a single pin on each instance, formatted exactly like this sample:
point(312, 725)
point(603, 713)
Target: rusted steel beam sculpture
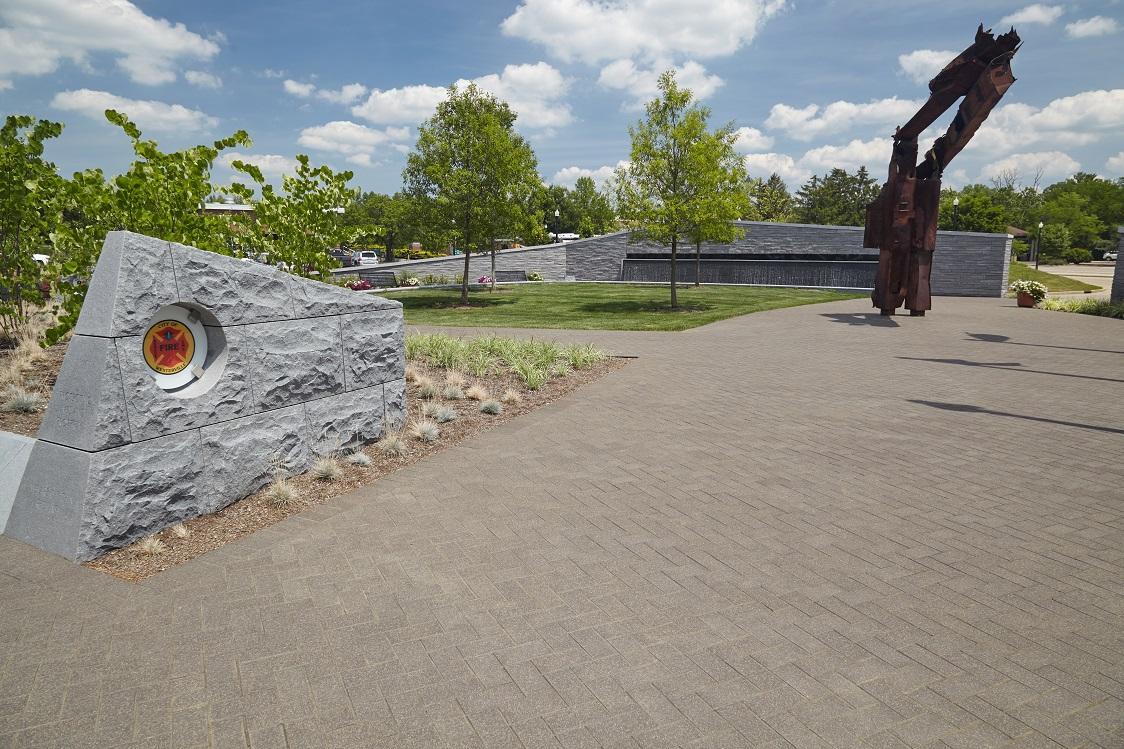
point(902, 221)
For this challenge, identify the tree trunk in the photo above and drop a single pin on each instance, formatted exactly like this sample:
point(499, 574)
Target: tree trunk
point(493, 276)
point(698, 262)
point(674, 297)
point(464, 279)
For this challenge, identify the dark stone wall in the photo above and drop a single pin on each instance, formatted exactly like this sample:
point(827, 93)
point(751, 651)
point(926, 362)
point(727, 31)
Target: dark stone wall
point(965, 263)
point(833, 274)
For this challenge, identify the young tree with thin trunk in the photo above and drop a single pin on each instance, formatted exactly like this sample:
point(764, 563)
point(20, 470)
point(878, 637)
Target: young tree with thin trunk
point(480, 175)
point(656, 192)
point(720, 197)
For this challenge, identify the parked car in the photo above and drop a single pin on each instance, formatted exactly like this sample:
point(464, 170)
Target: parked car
point(365, 257)
point(1111, 255)
point(345, 258)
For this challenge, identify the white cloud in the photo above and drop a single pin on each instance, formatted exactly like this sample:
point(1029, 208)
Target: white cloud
point(1069, 121)
point(642, 83)
point(922, 64)
point(352, 140)
point(37, 35)
point(1037, 13)
point(568, 176)
point(271, 73)
point(1115, 165)
point(1095, 26)
point(764, 164)
point(595, 31)
point(348, 94)
point(535, 91)
point(809, 122)
point(1052, 165)
point(202, 79)
point(5, 85)
point(851, 156)
point(296, 88)
point(148, 115)
point(750, 139)
point(268, 163)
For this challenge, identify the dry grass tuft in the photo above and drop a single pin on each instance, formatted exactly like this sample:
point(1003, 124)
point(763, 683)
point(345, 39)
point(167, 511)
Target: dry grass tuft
point(281, 493)
point(151, 546)
point(455, 378)
point(21, 401)
point(512, 396)
point(477, 393)
point(429, 409)
point(363, 460)
point(326, 469)
point(392, 444)
point(445, 414)
point(425, 430)
point(179, 530)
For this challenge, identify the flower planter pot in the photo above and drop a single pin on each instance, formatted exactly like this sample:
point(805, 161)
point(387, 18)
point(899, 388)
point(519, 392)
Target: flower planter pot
point(1026, 300)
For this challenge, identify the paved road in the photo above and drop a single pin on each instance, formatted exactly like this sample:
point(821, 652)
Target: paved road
point(810, 527)
point(1097, 273)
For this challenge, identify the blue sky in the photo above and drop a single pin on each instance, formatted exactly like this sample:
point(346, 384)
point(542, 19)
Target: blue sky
point(812, 84)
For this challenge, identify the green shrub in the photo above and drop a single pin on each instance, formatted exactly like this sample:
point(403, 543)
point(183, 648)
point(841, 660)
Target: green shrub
point(1077, 255)
point(533, 276)
point(1100, 307)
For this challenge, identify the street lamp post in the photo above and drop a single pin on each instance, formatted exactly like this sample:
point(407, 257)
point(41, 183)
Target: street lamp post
point(956, 213)
point(556, 227)
point(1038, 244)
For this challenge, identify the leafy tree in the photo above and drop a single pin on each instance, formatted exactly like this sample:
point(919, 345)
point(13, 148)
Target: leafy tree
point(978, 210)
point(28, 214)
point(719, 197)
point(772, 199)
point(593, 209)
point(657, 191)
point(1054, 242)
point(839, 198)
point(481, 175)
point(1105, 199)
point(1071, 209)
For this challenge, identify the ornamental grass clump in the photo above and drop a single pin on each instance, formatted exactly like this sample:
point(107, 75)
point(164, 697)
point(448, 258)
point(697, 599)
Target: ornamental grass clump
point(476, 393)
point(428, 409)
point(412, 373)
point(363, 460)
point(445, 414)
point(427, 390)
point(281, 493)
point(452, 393)
point(326, 469)
point(151, 546)
point(492, 408)
point(425, 430)
point(1099, 307)
point(392, 444)
point(179, 530)
point(19, 400)
point(455, 378)
point(583, 356)
point(512, 396)
point(532, 376)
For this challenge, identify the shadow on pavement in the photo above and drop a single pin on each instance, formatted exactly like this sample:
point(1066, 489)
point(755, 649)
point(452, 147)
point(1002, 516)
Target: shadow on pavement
point(967, 408)
point(1012, 366)
point(995, 338)
point(862, 318)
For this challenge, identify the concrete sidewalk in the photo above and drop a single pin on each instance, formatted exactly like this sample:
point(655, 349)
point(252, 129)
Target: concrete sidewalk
point(809, 527)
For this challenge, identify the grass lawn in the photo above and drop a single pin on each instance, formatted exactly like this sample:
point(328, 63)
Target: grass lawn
point(588, 306)
point(1054, 282)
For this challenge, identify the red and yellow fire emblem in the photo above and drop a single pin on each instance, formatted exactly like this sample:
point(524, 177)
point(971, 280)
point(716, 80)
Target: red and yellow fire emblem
point(168, 347)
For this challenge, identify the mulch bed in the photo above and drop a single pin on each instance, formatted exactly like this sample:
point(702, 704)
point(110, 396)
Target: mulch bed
point(39, 378)
point(209, 532)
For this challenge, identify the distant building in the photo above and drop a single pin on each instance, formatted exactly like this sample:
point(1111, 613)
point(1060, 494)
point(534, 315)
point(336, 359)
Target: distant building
point(227, 209)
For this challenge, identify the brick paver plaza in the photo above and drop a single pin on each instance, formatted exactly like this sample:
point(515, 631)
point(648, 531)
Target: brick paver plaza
point(807, 527)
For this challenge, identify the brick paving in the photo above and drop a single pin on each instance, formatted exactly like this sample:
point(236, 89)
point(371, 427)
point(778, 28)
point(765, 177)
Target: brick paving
point(800, 528)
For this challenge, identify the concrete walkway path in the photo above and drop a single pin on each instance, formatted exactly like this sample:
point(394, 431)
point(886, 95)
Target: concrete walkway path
point(812, 527)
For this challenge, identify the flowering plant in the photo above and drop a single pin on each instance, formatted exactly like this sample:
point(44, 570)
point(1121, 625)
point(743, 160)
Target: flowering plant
point(532, 276)
point(411, 281)
point(360, 285)
point(1033, 288)
point(484, 279)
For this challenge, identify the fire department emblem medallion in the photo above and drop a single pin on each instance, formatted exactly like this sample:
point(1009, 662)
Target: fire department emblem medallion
point(169, 346)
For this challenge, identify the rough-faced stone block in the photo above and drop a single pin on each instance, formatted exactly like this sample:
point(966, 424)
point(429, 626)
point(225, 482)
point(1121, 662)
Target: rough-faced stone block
point(134, 277)
point(344, 421)
point(136, 490)
point(15, 451)
point(316, 299)
point(47, 512)
point(394, 403)
point(234, 291)
point(154, 412)
point(87, 407)
point(374, 347)
point(244, 455)
point(293, 361)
